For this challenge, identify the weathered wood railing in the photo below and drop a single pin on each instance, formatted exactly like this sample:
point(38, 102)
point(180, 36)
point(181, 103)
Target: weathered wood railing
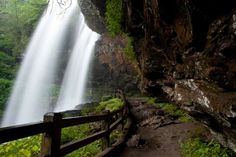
point(54, 122)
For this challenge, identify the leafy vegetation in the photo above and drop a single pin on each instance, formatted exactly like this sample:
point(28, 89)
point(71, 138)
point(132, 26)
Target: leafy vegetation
point(171, 109)
point(78, 132)
point(18, 19)
point(30, 147)
point(116, 134)
point(196, 147)
point(5, 89)
point(75, 132)
point(111, 105)
point(87, 151)
point(27, 147)
point(129, 49)
point(7, 66)
point(114, 16)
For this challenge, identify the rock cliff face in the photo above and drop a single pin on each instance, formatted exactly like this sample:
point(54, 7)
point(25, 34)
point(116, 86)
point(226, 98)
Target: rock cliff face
point(109, 51)
point(187, 52)
point(94, 12)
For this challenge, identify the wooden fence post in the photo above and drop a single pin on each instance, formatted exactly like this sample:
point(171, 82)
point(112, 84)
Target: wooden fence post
point(51, 140)
point(106, 127)
point(123, 114)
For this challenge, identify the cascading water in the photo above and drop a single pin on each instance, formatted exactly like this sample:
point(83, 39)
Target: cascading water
point(30, 98)
point(75, 80)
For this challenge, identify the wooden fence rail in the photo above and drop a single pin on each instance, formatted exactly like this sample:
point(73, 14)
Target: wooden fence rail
point(52, 125)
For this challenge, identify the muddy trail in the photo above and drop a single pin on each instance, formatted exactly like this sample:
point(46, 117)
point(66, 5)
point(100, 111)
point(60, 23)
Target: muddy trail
point(157, 133)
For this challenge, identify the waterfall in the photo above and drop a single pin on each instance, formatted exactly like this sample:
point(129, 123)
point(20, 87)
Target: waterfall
point(33, 88)
point(75, 80)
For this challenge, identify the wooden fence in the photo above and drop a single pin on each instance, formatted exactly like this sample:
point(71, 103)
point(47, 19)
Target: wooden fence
point(53, 123)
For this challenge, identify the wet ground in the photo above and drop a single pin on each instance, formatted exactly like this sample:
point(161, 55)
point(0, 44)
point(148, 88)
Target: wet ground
point(157, 134)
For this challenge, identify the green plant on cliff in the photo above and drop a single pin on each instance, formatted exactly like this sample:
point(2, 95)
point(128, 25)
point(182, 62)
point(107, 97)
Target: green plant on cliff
point(114, 16)
point(114, 10)
point(129, 48)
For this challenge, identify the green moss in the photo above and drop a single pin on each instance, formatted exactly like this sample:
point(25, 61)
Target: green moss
point(153, 101)
point(171, 109)
point(196, 147)
point(114, 16)
point(111, 105)
point(129, 49)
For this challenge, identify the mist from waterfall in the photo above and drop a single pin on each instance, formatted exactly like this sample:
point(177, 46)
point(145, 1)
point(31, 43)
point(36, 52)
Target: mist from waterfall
point(34, 86)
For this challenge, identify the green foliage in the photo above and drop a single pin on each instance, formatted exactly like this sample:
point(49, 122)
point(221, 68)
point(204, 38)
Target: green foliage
point(89, 109)
point(111, 105)
point(129, 49)
point(116, 134)
point(5, 89)
point(171, 109)
point(7, 66)
point(75, 132)
point(27, 147)
point(30, 147)
point(114, 16)
point(78, 132)
point(153, 101)
point(18, 19)
point(87, 151)
point(195, 147)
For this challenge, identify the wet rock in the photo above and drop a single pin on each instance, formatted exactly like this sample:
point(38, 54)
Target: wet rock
point(134, 141)
point(187, 53)
point(123, 73)
point(210, 105)
point(94, 12)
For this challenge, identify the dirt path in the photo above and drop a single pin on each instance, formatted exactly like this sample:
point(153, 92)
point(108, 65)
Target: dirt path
point(158, 134)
